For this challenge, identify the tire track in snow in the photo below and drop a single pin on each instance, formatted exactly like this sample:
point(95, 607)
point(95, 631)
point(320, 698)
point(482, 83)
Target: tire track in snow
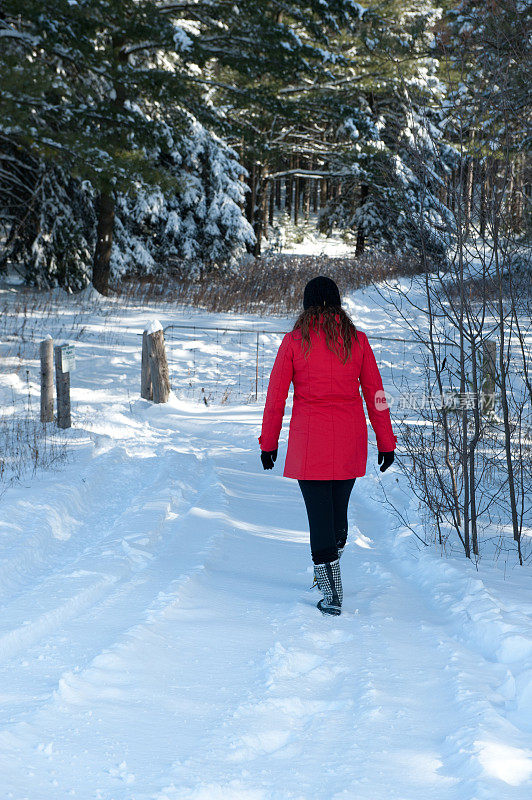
point(103, 554)
point(119, 588)
point(100, 682)
point(72, 514)
point(20, 639)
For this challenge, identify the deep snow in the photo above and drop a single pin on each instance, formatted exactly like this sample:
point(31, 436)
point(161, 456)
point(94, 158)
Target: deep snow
point(158, 637)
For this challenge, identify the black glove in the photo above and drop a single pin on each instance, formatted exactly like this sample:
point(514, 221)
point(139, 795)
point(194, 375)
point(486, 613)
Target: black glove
point(268, 457)
point(386, 459)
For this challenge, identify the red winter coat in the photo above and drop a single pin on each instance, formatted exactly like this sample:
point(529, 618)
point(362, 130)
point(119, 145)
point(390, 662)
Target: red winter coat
point(328, 437)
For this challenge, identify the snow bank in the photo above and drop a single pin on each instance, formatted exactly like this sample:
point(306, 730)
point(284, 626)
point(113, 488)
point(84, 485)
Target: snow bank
point(90, 294)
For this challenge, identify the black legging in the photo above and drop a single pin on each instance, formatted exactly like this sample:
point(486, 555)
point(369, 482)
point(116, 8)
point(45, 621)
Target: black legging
point(326, 503)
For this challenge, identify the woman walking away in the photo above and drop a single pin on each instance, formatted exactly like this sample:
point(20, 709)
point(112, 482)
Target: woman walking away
point(326, 359)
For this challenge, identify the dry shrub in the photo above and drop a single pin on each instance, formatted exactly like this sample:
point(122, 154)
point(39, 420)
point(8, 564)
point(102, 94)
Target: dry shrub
point(269, 285)
point(26, 444)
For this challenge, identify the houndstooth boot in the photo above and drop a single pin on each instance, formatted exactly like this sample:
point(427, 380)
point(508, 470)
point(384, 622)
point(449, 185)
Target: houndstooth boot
point(315, 581)
point(330, 583)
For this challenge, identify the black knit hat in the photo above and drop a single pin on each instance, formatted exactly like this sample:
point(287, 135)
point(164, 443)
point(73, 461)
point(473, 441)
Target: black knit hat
point(321, 292)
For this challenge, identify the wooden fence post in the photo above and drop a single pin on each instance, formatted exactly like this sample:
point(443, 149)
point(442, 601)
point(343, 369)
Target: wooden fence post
point(62, 383)
point(160, 380)
point(145, 376)
point(47, 379)
point(489, 375)
point(257, 368)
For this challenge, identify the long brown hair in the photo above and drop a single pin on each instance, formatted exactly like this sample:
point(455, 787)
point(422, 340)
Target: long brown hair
point(315, 318)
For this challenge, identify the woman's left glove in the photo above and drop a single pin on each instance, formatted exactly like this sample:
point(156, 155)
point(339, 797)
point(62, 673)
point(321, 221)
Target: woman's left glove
point(386, 459)
point(268, 457)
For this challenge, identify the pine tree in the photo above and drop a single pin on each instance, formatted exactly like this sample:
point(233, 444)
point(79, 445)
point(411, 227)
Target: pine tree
point(360, 121)
point(94, 85)
point(306, 41)
point(201, 224)
point(487, 50)
point(393, 150)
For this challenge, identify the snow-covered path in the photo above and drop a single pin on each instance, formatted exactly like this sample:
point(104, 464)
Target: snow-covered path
point(159, 641)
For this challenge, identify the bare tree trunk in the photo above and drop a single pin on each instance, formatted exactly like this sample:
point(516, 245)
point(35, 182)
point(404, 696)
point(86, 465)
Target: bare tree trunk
point(242, 177)
point(264, 204)
point(101, 268)
point(516, 198)
point(482, 201)
point(249, 196)
point(470, 169)
point(361, 239)
point(465, 461)
point(472, 448)
point(271, 205)
point(323, 193)
point(278, 195)
point(297, 194)
point(289, 191)
point(455, 506)
point(253, 195)
point(452, 181)
point(306, 194)
point(461, 333)
point(503, 372)
point(260, 209)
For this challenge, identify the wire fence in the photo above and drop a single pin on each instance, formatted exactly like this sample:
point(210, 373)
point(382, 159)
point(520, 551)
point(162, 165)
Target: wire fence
point(221, 365)
point(230, 364)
